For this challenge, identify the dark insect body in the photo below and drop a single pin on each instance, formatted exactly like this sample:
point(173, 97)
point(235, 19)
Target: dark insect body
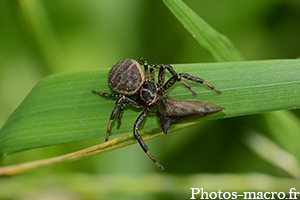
point(173, 111)
point(135, 88)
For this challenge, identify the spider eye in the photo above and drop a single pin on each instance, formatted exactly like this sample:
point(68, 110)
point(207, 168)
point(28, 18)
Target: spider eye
point(147, 96)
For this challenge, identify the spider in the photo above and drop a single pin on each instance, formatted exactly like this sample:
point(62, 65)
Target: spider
point(138, 89)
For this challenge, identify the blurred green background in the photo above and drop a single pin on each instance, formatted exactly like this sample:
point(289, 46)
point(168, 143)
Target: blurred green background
point(40, 38)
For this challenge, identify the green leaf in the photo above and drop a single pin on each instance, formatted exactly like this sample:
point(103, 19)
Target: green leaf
point(284, 128)
point(272, 152)
point(62, 108)
point(217, 45)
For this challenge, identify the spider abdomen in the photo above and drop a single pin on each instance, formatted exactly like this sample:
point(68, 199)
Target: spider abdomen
point(126, 77)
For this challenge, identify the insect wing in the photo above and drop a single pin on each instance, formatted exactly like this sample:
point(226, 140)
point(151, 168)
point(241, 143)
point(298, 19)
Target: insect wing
point(187, 107)
point(173, 111)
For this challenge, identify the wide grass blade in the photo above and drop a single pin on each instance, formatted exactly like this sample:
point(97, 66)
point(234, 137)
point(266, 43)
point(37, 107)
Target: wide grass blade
point(62, 108)
point(217, 45)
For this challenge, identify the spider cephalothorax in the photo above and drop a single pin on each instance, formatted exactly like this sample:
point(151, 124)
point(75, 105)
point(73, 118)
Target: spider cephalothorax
point(136, 89)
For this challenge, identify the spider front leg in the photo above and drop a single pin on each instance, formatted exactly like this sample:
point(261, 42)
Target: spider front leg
point(137, 124)
point(120, 97)
point(152, 73)
point(161, 78)
point(199, 80)
point(141, 59)
point(161, 74)
point(177, 77)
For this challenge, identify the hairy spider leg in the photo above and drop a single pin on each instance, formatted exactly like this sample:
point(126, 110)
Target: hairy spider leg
point(161, 78)
point(137, 124)
point(141, 59)
point(177, 77)
point(120, 97)
point(120, 113)
point(198, 80)
point(152, 74)
point(161, 75)
point(112, 116)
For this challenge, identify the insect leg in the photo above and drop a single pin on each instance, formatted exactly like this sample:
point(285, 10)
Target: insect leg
point(167, 95)
point(138, 122)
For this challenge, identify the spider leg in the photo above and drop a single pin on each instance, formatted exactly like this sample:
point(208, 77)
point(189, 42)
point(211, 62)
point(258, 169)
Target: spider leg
point(120, 97)
point(161, 75)
point(137, 124)
point(141, 59)
point(152, 74)
point(177, 77)
point(112, 116)
point(198, 80)
point(171, 82)
point(120, 113)
point(107, 94)
point(161, 78)
point(129, 101)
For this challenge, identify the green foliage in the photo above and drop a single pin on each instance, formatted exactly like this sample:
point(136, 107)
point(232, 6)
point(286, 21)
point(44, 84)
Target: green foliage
point(41, 38)
point(62, 108)
point(217, 45)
